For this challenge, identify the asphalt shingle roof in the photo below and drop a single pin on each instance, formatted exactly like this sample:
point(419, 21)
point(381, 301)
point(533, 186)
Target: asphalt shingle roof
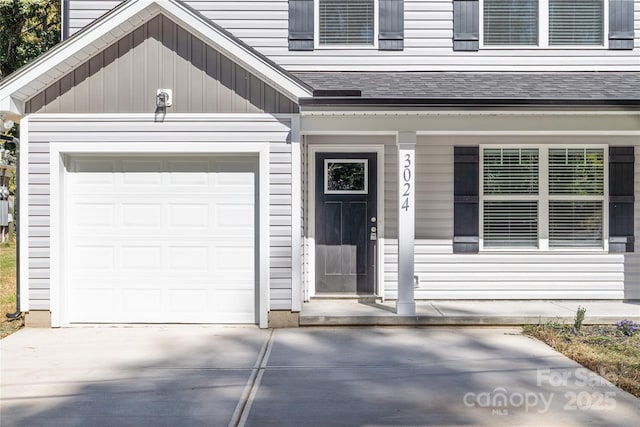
point(481, 85)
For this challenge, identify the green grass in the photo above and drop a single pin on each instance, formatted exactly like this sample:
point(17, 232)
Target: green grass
point(600, 348)
point(8, 289)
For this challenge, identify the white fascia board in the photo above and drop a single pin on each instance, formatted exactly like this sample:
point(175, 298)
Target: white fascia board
point(238, 53)
point(105, 31)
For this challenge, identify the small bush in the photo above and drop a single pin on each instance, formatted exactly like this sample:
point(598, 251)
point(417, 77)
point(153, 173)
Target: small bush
point(577, 322)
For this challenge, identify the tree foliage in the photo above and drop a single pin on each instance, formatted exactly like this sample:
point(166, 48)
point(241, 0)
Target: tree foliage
point(27, 29)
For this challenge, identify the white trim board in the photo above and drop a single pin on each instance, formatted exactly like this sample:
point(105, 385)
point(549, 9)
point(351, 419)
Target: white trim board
point(58, 171)
point(311, 203)
point(23, 219)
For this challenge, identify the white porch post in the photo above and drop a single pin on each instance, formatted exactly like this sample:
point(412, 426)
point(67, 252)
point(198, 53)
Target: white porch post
point(406, 305)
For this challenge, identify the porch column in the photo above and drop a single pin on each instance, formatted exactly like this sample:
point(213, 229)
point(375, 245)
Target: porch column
point(406, 305)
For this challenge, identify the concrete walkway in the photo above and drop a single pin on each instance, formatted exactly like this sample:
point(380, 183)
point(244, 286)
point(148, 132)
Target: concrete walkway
point(351, 312)
point(219, 376)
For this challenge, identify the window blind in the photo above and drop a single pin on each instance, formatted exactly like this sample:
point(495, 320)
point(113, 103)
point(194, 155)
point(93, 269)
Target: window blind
point(344, 22)
point(510, 22)
point(512, 224)
point(573, 22)
point(575, 224)
point(576, 171)
point(510, 171)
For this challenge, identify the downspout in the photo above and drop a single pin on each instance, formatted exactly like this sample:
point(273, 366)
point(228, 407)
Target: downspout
point(16, 205)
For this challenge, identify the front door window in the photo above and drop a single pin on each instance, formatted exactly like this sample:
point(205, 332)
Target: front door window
point(345, 176)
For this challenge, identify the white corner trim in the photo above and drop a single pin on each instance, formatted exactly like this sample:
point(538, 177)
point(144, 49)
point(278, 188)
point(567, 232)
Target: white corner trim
point(23, 204)
point(296, 216)
point(264, 265)
point(58, 171)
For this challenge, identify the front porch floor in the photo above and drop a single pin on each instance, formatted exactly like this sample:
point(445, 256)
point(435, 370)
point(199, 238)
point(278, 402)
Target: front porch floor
point(354, 312)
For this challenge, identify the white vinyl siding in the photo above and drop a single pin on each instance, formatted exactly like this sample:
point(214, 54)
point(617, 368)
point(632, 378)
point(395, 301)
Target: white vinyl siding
point(428, 34)
point(346, 22)
point(116, 129)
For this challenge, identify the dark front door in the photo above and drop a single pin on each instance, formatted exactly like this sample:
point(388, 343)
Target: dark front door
point(346, 222)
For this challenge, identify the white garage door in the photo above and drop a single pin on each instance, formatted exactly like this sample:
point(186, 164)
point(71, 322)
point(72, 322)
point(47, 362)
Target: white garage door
point(160, 239)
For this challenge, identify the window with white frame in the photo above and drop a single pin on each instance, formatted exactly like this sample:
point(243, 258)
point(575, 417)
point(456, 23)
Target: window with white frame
point(576, 197)
point(521, 22)
point(542, 197)
point(346, 22)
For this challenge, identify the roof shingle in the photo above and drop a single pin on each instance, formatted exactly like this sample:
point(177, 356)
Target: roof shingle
point(481, 85)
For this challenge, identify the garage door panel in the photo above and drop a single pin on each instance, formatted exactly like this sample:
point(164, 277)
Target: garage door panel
point(92, 216)
point(188, 258)
point(137, 216)
point(141, 258)
point(234, 215)
point(162, 240)
point(190, 215)
point(234, 259)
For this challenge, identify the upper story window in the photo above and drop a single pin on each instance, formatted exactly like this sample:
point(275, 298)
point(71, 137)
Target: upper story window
point(543, 22)
point(346, 22)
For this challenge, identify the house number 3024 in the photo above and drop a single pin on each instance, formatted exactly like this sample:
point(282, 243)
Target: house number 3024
point(406, 182)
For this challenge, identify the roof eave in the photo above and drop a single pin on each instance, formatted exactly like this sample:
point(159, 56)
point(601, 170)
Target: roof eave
point(366, 103)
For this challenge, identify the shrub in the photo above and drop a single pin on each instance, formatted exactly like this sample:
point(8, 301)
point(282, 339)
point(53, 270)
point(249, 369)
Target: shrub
point(577, 322)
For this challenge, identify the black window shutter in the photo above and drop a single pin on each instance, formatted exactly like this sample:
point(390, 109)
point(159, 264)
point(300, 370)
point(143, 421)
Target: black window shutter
point(391, 36)
point(621, 199)
point(301, 24)
point(620, 24)
point(466, 24)
point(466, 187)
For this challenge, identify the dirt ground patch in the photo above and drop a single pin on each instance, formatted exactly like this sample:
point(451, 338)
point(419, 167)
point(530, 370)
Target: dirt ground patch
point(601, 348)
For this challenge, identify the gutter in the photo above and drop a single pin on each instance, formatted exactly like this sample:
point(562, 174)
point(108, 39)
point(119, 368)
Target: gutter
point(354, 100)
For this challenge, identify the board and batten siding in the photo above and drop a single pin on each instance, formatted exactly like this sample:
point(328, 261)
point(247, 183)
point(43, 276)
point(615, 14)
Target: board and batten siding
point(45, 129)
point(428, 41)
point(124, 78)
point(493, 275)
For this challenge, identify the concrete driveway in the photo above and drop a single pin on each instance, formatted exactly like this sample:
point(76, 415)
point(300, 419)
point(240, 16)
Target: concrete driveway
point(219, 376)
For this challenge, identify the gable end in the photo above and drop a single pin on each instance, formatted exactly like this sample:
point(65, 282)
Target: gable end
point(124, 78)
